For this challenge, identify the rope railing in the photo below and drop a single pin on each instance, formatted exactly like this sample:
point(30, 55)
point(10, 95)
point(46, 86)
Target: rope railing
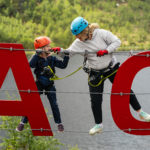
point(73, 92)
point(78, 131)
point(131, 52)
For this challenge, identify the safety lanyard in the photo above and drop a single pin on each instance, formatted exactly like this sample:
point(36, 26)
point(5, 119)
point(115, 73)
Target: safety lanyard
point(55, 77)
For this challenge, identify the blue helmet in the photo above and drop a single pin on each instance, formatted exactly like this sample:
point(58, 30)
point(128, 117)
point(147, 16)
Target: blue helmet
point(78, 25)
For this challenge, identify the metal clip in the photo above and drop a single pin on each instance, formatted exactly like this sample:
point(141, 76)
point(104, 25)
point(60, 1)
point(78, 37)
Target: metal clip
point(131, 53)
point(41, 129)
point(29, 91)
point(121, 94)
point(10, 48)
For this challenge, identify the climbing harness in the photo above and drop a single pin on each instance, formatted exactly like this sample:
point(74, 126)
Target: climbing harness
point(94, 75)
point(102, 78)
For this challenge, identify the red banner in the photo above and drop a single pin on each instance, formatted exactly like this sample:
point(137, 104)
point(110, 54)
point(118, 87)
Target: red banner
point(30, 104)
point(120, 103)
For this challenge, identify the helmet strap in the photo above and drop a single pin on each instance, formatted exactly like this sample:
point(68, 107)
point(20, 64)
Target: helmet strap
point(47, 53)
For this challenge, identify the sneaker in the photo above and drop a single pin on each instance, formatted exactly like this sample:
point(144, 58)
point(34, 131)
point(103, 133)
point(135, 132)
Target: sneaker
point(60, 127)
point(20, 127)
point(96, 129)
point(144, 116)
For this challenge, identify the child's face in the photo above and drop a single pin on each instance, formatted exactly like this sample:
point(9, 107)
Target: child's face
point(46, 50)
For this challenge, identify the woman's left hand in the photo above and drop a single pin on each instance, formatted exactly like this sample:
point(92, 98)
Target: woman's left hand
point(102, 53)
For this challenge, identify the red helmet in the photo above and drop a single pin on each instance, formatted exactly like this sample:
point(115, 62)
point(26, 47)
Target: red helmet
point(41, 41)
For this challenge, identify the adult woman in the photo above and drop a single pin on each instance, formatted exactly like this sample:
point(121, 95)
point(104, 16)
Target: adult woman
point(97, 46)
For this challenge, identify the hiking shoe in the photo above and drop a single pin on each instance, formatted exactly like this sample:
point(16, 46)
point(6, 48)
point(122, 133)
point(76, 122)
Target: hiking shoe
point(20, 127)
point(144, 116)
point(96, 129)
point(60, 128)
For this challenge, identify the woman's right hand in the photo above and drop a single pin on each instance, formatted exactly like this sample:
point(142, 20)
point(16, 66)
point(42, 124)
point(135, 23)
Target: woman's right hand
point(56, 49)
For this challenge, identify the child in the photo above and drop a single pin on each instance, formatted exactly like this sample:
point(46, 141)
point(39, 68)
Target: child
point(42, 62)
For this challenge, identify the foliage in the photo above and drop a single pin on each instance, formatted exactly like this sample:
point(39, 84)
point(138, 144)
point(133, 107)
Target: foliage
point(23, 20)
point(25, 140)
point(15, 31)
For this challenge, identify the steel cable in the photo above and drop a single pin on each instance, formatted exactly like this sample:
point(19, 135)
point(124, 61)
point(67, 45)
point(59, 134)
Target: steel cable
point(130, 53)
point(77, 131)
point(73, 92)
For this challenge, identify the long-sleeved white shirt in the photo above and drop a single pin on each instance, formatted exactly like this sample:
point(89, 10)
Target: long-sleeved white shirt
point(101, 40)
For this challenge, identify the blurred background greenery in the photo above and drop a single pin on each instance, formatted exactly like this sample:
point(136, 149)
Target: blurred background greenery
point(23, 20)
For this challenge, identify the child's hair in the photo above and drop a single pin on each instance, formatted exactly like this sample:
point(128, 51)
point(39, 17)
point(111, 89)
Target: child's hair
point(90, 29)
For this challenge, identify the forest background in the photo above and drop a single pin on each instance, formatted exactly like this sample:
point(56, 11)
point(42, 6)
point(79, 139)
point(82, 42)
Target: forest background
point(23, 20)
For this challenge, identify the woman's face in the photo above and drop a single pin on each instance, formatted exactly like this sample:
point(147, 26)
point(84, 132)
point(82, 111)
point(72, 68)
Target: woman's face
point(82, 36)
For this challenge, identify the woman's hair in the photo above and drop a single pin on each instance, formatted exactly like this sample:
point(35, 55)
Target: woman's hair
point(90, 29)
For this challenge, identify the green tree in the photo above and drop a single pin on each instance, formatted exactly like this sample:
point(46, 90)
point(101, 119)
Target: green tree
point(25, 140)
point(26, 19)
